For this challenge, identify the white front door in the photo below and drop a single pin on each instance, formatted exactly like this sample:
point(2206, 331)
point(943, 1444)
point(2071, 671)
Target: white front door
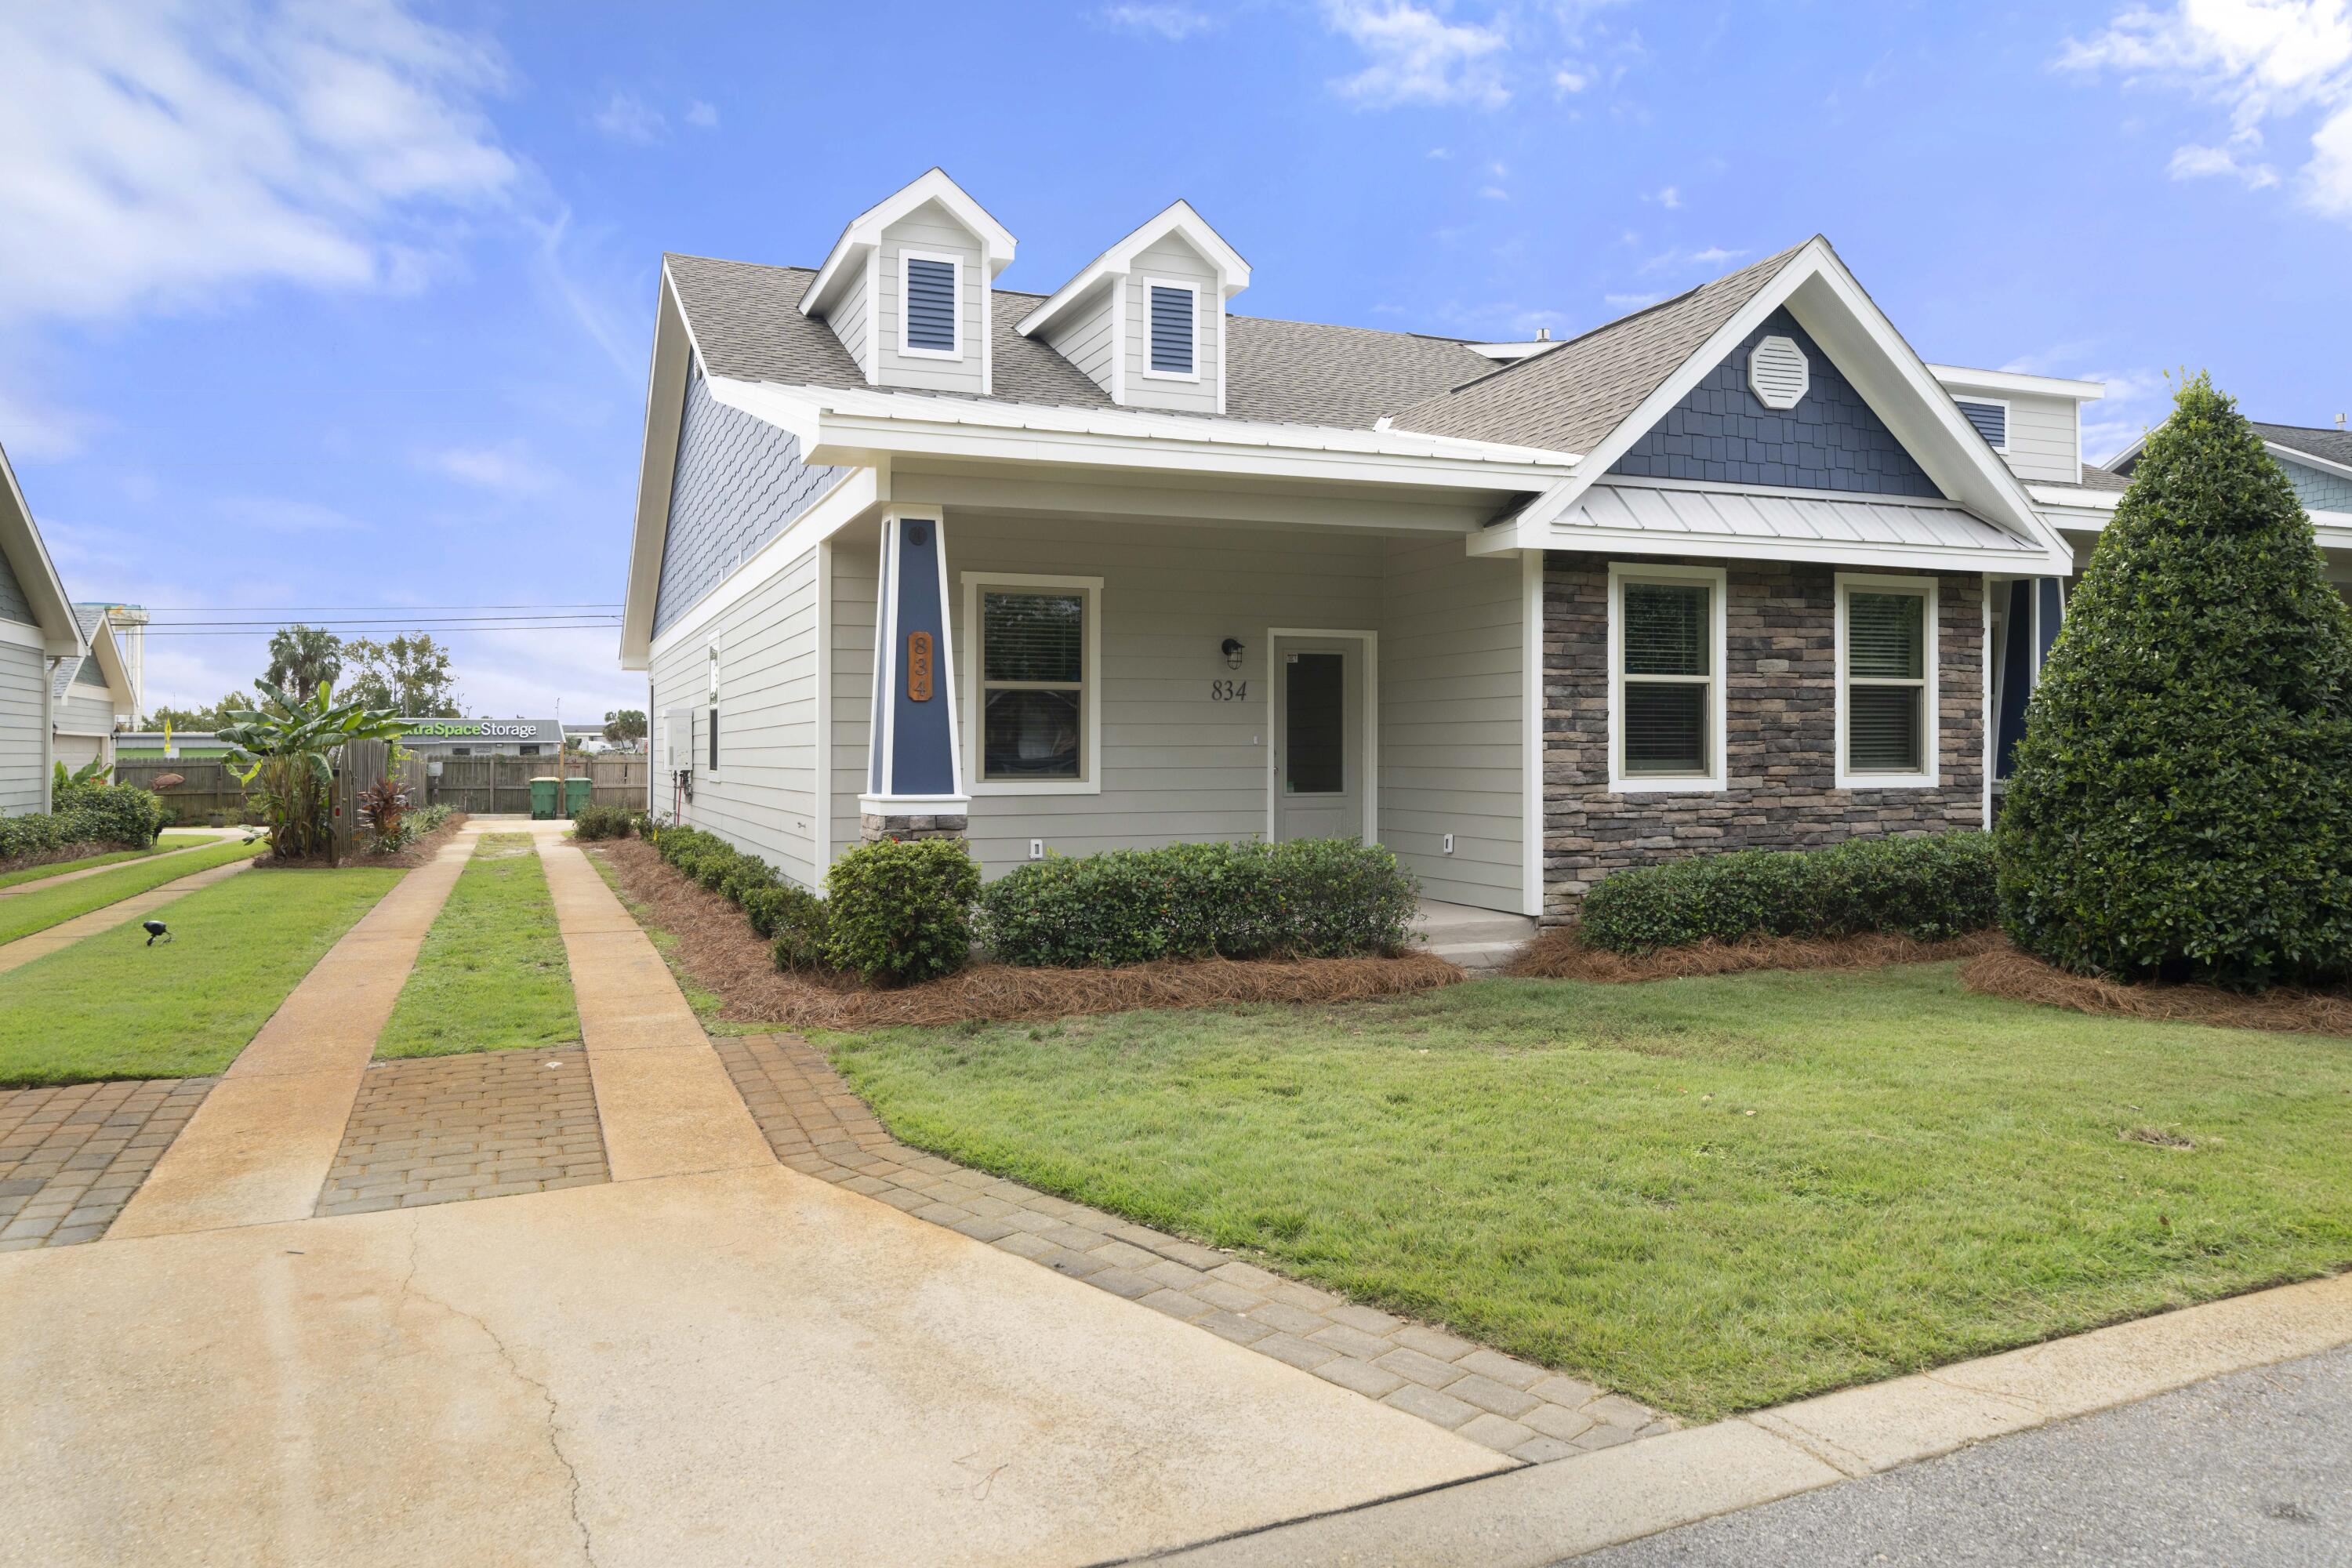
point(1318, 737)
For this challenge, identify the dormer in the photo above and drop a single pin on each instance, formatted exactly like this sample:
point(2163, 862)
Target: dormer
point(906, 289)
point(2034, 422)
point(1146, 318)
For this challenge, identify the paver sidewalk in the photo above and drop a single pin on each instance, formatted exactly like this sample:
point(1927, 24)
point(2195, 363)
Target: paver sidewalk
point(260, 1146)
point(41, 943)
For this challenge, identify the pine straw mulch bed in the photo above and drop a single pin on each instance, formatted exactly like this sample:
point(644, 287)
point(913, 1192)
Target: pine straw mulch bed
point(1561, 954)
point(719, 952)
point(2004, 972)
point(408, 860)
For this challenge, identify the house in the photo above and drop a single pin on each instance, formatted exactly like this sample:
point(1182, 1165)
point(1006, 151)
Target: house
point(91, 694)
point(1112, 563)
point(39, 634)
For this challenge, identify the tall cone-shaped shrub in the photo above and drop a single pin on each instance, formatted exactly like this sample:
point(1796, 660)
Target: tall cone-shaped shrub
point(2181, 807)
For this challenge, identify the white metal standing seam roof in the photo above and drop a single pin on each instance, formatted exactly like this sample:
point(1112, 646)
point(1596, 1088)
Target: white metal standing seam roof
point(1715, 514)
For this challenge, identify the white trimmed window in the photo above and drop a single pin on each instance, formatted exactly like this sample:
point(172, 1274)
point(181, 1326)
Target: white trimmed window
point(1665, 687)
point(1034, 683)
point(1172, 329)
point(710, 718)
point(1887, 726)
point(931, 304)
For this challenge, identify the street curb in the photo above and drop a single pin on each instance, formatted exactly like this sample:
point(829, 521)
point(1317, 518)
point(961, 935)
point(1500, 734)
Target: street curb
point(1529, 1518)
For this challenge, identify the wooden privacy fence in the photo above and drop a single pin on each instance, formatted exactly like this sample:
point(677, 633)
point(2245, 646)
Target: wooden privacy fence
point(208, 789)
point(501, 785)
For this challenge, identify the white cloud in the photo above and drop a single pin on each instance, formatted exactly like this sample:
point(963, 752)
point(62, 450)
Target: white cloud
point(506, 467)
point(625, 117)
point(156, 157)
point(1570, 79)
point(702, 116)
point(1715, 256)
point(1712, 256)
point(1417, 56)
point(38, 431)
point(1631, 301)
point(2265, 61)
point(278, 514)
point(1668, 196)
point(1174, 23)
point(1494, 193)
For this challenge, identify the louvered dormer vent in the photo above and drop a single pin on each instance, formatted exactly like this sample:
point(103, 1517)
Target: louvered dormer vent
point(1778, 374)
point(1172, 330)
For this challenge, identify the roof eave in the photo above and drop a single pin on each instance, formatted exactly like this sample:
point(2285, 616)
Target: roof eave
point(29, 557)
point(672, 356)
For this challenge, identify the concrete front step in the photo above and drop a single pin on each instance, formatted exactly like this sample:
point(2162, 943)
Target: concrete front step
point(1478, 957)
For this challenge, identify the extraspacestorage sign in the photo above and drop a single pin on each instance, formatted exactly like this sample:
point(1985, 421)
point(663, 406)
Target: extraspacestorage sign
point(478, 730)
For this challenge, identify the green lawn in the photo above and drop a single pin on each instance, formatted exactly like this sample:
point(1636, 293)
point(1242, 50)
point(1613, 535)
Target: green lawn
point(492, 975)
point(59, 867)
point(1712, 1194)
point(110, 1006)
point(45, 907)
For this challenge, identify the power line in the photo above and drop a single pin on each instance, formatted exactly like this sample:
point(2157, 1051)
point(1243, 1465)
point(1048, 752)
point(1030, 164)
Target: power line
point(568, 626)
point(387, 609)
point(404, 621)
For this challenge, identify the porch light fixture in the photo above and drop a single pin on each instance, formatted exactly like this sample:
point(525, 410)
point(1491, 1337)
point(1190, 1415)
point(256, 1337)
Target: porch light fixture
point(1232, 648)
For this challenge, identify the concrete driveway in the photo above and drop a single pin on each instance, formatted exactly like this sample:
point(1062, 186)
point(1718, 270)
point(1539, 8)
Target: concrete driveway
point(742, 1366)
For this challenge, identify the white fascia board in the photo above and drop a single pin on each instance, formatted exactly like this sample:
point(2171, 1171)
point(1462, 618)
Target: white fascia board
point(2070, 499)
point(672, 358)
point(1849, 327)
point(37, 575)
point(1953, 376)
point(109, 654)
point(1506, 538)
point(2308, 459)
point(1232, 272)
point(864, 232)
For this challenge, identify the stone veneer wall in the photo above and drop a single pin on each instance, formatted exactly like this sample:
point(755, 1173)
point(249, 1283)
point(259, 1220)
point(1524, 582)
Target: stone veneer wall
point(873, 829)
point(1781, 725)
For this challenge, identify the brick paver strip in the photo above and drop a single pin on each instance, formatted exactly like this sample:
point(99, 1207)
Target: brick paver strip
point(65, 933)
point(71, 1155)
point(666, 1105)
point(817, 1127)
point(433, 1130)
point(260, 1146)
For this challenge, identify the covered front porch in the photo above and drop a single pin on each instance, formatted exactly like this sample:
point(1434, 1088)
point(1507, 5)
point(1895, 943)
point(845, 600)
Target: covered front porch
point(1074, 679)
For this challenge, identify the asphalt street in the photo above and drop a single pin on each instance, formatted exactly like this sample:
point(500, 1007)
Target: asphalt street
point(2252, 1471)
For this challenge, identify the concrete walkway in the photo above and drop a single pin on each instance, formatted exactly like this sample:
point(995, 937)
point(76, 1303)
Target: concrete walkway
point(42, 884)
point(260, 1146)
point(667, 1105)
point(41, 943)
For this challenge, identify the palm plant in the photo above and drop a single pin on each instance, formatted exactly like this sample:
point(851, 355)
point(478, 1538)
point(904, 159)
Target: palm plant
point(287, 744)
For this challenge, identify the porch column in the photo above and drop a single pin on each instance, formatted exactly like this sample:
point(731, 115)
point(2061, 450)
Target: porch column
point(914, 758)
point(2036, 608)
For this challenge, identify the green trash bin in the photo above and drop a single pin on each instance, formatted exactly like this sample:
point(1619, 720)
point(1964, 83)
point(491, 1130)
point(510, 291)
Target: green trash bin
point(544, 797)
point(575, 795)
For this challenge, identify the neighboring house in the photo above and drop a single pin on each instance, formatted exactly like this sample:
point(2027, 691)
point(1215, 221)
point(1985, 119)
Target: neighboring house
point(90, 694)
point(1113, 564)
point(38, 632)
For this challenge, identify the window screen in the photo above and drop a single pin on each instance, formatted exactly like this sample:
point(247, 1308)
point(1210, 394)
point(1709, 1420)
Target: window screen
point(1033, 684)
point(1667, 641)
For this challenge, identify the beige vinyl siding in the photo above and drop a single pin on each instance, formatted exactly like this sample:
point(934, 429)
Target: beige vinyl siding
point(77, 752)
point(1176, 765)
point(851, 321)
point(85, 710)
point(762, 798)
point(24, 678)
point(930, 227)
point(854, 569)
point(1085, 338)
point(1451, 713)
point(1173, 261)
point(2041, 438)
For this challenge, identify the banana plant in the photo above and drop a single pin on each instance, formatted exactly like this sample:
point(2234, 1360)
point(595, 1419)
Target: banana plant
point(287, 743)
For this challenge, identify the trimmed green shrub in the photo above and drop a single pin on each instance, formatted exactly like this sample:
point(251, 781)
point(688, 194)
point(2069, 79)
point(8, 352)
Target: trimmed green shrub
point(1317, 898)
point(2181, 807)
point(1930, 887)
point(749, 875)
point(797, 922)
point(603, 822)
point(901, 912)
point(114, 814)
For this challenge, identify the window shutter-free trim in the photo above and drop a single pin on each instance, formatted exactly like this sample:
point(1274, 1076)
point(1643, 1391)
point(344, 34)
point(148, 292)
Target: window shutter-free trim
point(1666, 719)
point(1172, 324)
point(1886, 682)
point(931, 305)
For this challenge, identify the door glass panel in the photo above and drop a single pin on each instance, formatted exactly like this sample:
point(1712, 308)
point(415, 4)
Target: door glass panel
point(1314, 723)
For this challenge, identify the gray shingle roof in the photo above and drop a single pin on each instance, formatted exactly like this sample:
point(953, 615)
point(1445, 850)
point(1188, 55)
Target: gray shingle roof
point(2329, 445)
point(1570, 398)
point(87, 616)
point(2095, 477)
point(747, 321)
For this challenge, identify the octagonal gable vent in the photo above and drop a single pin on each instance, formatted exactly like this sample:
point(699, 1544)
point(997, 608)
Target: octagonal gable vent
point(1777, 372)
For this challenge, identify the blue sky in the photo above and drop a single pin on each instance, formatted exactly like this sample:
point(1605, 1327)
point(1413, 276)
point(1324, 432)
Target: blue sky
point(349, 305)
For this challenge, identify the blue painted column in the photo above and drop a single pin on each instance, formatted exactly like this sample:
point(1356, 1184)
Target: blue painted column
point(914, 762)
point(2037, 607)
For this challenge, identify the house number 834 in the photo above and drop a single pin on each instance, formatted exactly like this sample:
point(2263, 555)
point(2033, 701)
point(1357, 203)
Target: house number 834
point(1229, 691)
